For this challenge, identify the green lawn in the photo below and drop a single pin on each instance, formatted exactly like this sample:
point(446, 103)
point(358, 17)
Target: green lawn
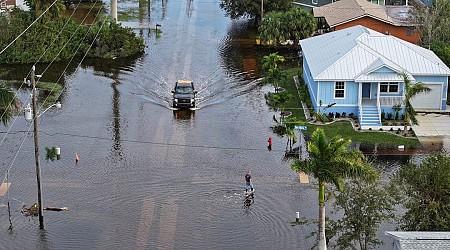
point(341, 128)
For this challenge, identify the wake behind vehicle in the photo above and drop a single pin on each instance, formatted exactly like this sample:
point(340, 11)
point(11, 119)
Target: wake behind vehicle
point(184, 94)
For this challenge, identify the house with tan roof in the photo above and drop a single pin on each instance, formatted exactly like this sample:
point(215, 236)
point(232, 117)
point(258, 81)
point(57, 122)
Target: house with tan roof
point(7, 4)
point(395, 20)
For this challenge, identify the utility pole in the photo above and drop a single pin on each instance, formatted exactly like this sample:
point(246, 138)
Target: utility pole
point(36, 147)
point(262, 9)
point(114, 10)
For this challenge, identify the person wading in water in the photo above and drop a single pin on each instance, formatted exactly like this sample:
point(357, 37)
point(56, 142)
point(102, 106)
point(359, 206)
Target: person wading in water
point(248, 181)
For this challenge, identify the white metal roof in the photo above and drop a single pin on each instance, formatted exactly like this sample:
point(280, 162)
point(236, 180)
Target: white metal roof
point(349, 53)
point(420, 240)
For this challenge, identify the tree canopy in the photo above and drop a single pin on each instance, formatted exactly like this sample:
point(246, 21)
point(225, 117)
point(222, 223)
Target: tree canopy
point(434, 26)
point(361, 215)
point(294, 25)
point(236, 9)
point(60, 39)
point(435, 23)
point(427, 190)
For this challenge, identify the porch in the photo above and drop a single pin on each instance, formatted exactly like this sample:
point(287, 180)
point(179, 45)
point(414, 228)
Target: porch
point(370, 109)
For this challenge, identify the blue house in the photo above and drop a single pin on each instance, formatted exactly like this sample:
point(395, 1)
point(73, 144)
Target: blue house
point(357, 70)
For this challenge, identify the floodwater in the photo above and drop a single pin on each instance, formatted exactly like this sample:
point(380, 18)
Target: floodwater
point(149, 177)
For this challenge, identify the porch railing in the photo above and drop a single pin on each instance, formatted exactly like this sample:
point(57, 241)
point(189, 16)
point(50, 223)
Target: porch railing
point(390, 100)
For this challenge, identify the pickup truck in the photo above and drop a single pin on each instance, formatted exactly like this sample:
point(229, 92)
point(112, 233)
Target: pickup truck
point(184, 94)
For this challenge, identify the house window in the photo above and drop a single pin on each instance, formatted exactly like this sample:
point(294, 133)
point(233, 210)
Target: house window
point(409, 31)
point(339, 90)
point(389, 87)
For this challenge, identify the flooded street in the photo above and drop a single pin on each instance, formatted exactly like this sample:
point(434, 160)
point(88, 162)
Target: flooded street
point(149, 177)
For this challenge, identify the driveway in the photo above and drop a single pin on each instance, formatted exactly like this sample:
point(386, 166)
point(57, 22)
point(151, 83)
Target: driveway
point(433, 131)
point(432, 124)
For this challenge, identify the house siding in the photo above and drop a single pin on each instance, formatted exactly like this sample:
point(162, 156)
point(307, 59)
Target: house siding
point(312, 85)
point(382, 27)
point(348, 105)
point(326, 90)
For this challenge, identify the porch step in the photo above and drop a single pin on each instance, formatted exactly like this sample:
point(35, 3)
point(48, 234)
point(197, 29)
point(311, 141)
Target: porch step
point(369, 116)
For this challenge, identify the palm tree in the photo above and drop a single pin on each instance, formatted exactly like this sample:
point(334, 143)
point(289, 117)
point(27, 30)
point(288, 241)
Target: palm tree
point(8, 104)
point(410, 91)
point(270, 63)
point(271, 28)
point(330, 161)
point(290, 133)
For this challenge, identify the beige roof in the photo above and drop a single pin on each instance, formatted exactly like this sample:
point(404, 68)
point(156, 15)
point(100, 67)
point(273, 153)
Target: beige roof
point(344, 11)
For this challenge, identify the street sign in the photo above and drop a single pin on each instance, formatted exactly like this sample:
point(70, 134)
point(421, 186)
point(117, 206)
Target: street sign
point(300, 127)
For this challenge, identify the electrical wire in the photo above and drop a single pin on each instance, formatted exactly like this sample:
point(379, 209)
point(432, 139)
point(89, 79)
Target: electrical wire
point(29, 127)
point(146, 142)
point(23, 32)
point(156, 143)
point(20, 87)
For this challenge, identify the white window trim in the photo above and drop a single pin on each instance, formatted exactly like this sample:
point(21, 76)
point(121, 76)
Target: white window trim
point(388, 84)
point(334, 91)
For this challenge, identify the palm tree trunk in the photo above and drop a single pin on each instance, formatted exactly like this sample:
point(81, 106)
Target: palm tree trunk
point(287, 144)
point(290, 143)
point(322, 241)
point(405, 120)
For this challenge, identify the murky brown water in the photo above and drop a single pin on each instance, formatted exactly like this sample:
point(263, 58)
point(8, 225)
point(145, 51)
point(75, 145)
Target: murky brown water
point(153, 178)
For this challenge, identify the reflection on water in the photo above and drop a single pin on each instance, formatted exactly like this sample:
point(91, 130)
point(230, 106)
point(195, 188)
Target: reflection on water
point(248, 201)
point(116, 118)
point(184, 114)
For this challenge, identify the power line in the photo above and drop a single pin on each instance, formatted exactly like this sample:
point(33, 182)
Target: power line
point(147, 142)
point(20, 87)
point(157, 143)
point(58, 81)
point(23, 32)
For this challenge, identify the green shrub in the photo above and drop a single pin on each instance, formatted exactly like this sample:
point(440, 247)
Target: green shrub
point(45, 43)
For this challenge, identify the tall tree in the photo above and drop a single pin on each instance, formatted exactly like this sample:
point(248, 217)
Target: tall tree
point(434, 23)
point(410, 91)
point(427, 190)
point(294, 25)
point(330, 161)
point(8, 104)
point(252, 8)
point(361, 215)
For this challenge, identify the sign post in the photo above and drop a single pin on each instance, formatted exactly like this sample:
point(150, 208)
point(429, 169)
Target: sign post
point(300, 128)
point(302, 176)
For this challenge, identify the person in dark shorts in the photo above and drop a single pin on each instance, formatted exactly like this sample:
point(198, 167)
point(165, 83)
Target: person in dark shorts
point(248, 181)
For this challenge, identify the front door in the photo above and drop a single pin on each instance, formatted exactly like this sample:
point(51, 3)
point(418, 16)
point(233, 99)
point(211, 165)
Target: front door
point(366, 90)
